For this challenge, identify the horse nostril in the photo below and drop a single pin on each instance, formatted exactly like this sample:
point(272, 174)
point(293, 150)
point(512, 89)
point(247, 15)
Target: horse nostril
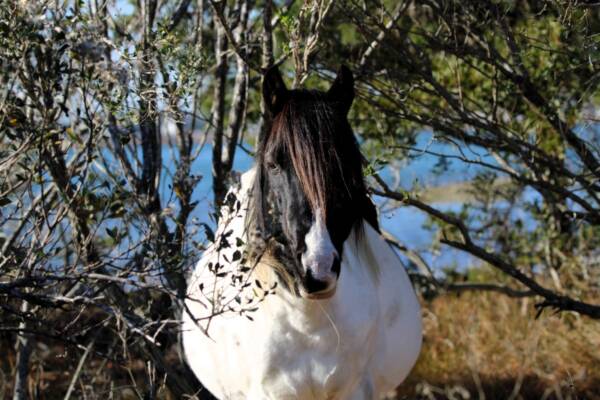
point(314, 285)
point(336, 266)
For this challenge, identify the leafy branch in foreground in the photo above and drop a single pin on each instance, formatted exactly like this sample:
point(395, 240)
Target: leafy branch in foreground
point(104, 116)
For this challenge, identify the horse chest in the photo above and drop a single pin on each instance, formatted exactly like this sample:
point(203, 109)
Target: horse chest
point(359, 343)
point(318, 355)
point(293, 348)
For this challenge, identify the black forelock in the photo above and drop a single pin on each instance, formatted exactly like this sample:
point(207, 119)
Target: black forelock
point(323, 151)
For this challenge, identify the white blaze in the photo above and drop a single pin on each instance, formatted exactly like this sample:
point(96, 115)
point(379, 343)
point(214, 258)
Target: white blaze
point(320, 252)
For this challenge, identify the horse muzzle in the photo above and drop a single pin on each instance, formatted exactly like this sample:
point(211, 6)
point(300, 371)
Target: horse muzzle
point(320, 281)
point(320, 262)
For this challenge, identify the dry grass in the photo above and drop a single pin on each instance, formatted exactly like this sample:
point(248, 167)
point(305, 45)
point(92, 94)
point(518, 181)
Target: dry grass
point(477, 345)
point(455, 192)
point(484, 345)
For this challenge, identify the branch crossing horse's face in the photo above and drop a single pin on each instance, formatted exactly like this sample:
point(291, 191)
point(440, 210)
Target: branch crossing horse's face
point(309, 191)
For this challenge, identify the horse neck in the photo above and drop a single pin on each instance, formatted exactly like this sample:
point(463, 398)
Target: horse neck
point(309, 315)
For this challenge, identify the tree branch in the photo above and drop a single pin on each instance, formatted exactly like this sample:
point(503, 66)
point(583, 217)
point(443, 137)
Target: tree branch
point(551, 299)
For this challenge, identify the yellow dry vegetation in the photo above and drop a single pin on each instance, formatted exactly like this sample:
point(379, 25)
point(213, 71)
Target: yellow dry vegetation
point(486, 345)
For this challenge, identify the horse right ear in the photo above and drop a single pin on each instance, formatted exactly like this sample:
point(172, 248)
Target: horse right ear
point(342, 89)
point(274, 91)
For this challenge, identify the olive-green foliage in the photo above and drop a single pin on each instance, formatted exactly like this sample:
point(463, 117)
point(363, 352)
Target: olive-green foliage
point(98, 230)
point(512, 88)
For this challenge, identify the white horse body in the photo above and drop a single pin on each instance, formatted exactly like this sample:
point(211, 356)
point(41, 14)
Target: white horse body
point(358, 344)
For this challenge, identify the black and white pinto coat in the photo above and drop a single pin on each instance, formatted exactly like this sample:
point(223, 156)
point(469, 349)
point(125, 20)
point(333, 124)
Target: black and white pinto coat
point(358, 344)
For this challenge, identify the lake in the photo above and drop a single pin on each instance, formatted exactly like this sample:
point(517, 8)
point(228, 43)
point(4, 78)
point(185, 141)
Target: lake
point(405, 223)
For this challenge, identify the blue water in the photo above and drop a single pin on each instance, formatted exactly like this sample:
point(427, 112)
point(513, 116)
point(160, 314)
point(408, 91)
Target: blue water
point(405, 223)
point(424, 167)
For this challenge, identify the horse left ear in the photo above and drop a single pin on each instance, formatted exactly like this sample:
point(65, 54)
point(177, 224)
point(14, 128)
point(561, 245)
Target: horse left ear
point(275, 93)
point(342, 89)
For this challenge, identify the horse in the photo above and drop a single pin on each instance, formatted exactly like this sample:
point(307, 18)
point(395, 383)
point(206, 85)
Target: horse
point(299, 296)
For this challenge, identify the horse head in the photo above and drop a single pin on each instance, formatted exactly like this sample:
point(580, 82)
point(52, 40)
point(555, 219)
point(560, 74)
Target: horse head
point(309, 191)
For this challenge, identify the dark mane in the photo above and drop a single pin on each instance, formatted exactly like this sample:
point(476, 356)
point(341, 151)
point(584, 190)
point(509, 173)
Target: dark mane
point(323, 151)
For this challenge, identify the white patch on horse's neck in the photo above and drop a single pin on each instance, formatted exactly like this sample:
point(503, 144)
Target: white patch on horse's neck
point(320, 251)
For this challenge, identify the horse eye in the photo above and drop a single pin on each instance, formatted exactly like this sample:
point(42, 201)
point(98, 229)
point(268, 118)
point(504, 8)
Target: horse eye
point(272, 166)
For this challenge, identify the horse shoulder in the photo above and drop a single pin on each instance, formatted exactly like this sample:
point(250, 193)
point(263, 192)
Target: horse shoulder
point(400, 329)
point(228, 357)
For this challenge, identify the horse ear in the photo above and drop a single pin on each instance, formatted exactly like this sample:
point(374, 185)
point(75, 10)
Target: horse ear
point(342, 89)
point(274, 91)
